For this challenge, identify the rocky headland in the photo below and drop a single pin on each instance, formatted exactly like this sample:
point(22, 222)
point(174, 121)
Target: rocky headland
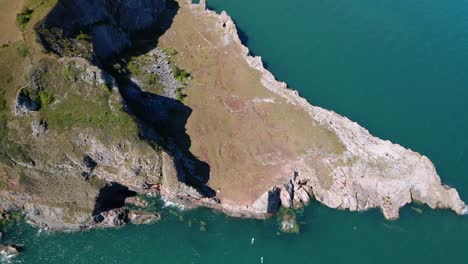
point(148, 97)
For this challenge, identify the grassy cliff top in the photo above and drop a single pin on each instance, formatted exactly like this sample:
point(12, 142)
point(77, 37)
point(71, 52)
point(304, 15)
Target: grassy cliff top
point(247, 134)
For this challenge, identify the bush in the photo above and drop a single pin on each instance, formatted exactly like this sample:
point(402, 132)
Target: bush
point(106, 88)
point(180, 95)
point(46, 98)
point(134, 68)
point(170, 52)
point(180, 74)
point(24, 17)
point(67, 72)
point(22, 50)
point(152, 79)
point(83, 37)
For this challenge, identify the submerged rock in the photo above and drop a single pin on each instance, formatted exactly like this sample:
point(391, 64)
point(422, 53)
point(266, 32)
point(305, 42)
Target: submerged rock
point(288, 223)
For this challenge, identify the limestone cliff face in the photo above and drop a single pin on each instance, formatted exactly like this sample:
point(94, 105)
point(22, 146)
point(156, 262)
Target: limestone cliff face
point(71, 148)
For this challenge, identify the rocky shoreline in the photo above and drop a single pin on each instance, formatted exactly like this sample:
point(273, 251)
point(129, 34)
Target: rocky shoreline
point(375, 173)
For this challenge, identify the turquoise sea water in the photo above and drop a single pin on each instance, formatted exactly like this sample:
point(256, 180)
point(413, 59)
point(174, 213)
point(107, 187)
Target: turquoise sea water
point(398, 67)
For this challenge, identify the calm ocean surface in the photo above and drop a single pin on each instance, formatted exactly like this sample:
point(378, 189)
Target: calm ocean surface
point(397, 67)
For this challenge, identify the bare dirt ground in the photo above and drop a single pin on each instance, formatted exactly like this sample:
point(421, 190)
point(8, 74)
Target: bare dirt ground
point(9, 30)
point(248, 135)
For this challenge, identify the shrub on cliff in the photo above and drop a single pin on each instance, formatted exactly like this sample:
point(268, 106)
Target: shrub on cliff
point(22, 49)
point(179, 74)
point(24, 17)
point(46, 98)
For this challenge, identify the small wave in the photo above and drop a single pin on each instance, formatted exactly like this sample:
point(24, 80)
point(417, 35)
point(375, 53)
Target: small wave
point(171, 204)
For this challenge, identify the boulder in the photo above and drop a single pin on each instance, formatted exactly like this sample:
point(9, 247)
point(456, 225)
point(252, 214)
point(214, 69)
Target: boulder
point(9, 251)
point(38, 127)
point(139, 217)
point(112, 218)
point(268, 202)
point(301, 197)
point(136, 201)
point(285, 198)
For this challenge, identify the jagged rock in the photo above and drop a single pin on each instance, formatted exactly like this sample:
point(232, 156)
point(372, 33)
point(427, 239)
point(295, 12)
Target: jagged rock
point(9, 250)
point(140, 217)
point(157, 62)
point(295, 193)
point(301, 197)
point(112, 218)
point(56, 218)
point(89, 163)
point(38, 127)
point(25, 104)
point(269, 202)
point(285, 197)
point(136, 201)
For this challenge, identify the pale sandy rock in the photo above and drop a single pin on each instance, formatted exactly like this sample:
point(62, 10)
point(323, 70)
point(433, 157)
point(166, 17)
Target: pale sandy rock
point(136, 201)
point(269, 202)
point(140, 218)
point(57, 218)
point(9, 251)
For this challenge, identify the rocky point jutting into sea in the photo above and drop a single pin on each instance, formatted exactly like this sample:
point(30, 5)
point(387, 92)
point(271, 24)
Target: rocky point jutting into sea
point(155, 98)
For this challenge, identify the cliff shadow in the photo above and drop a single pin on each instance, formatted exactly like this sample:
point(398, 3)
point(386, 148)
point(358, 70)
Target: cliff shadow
point(93, 29)
point(162, 121)
point(111, 196)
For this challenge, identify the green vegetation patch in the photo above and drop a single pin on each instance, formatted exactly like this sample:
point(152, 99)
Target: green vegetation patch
point(180, 74)
point(54, 40)
point(180, 94)
point(288, 220)
point(8, 220)
point(80, 105)
point(24, 17)
point(22, 50)
point(46, 97)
